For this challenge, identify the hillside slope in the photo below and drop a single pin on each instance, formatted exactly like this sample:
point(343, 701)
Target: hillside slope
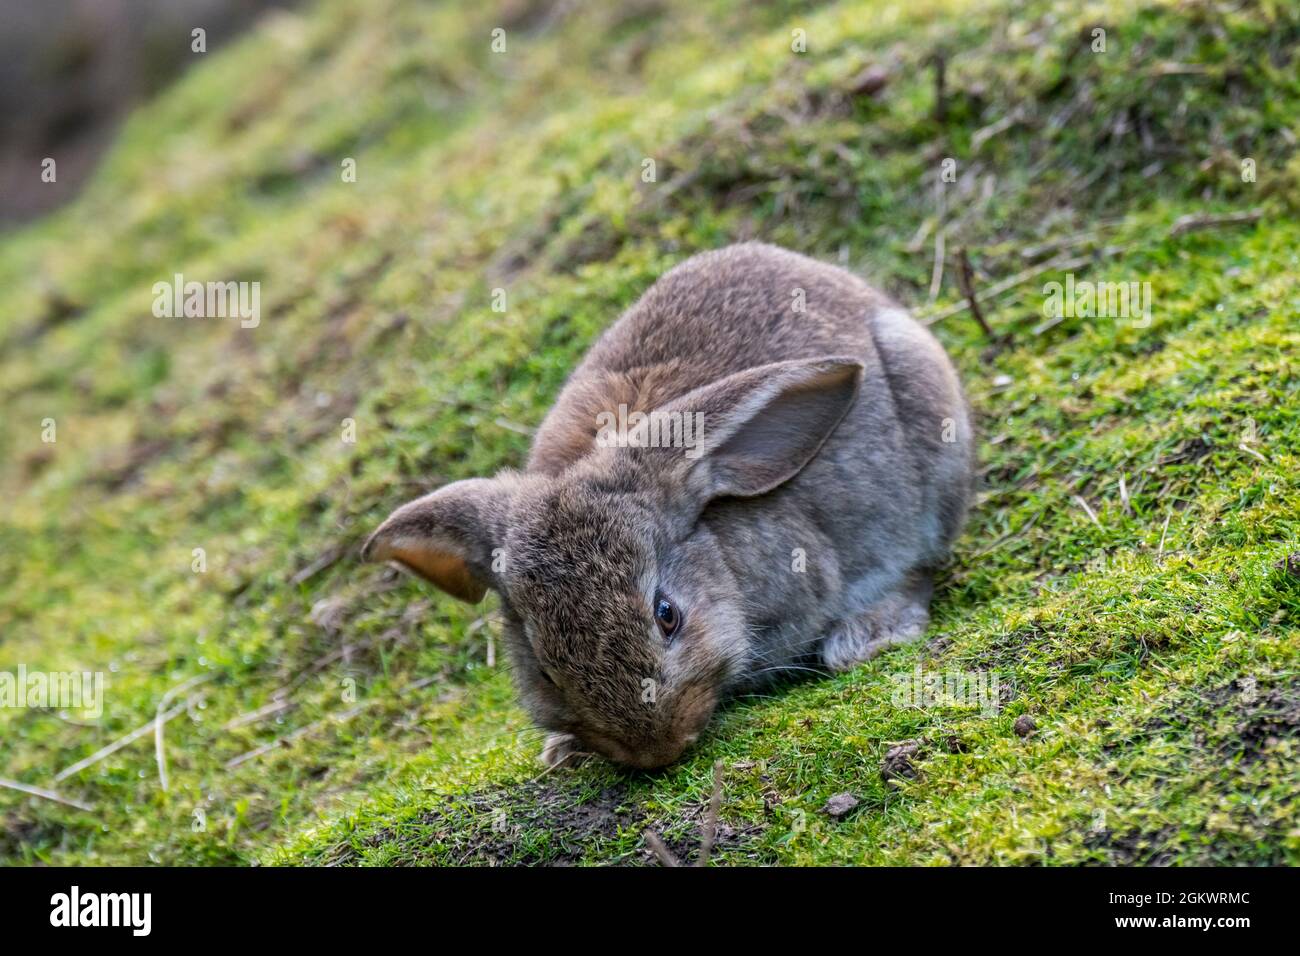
point(1130, 576)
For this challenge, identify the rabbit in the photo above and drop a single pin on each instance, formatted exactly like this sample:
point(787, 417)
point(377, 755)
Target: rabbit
point(817, 467)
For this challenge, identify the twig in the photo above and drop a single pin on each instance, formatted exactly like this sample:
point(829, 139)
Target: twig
point(339, 652)
point(508, 425)
point(1048, 324)
point(317, 566)
point(1123, 495)
point(420, 684)
point(664, 854)
point(1021, 277)
point(708, 835)
point(118, 744)
point(300, 732)
point(574, 759)
point(968, 290)
point(917, 242)
point(711, 822)
point(1060, 243)
point(1194, 222)
point(1179, 69)
point(86, 725)
point(1091, 514)
point(1160, 552)
point(158, 724)
point(940, 64)
point(936, 272)
point(982, 135)
point(44, 794)
point(1250, 451)
point(1009, 535)
point(252, 717)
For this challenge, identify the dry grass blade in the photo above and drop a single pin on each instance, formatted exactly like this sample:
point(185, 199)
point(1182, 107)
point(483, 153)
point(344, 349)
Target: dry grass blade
point(44, 794)
point(711, 822)
point(300, 732)
point(966, 284)
point(159, 750)
point(118, 744)
point(662, 852)
point(1197, 222)
point(1092, 515)
point(253, 716)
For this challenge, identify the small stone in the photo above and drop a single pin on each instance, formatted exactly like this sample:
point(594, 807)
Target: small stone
point(1025, 725)
point(869, 82)
point(1290, 564)
point(898, 761)
point(840, 806)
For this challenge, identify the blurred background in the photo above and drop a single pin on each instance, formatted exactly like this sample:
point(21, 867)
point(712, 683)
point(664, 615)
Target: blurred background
point(71, 69)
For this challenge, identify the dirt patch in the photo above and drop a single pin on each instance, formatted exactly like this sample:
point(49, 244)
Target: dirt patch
point(1266, 720)
point(1134, 847)
point(1194, 449)
point(1261, 716)
point(59, 308)
point(1007, 653)
point(686, 846)
point(530, 824)
point(125, 468)
point(20, 834)
point(546, 823)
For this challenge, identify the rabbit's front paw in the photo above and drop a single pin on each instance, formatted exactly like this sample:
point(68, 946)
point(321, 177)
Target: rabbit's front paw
point(560, 749)
point(897, 619)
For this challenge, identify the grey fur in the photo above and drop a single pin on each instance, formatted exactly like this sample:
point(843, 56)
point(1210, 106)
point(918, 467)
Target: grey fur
point(833, 473)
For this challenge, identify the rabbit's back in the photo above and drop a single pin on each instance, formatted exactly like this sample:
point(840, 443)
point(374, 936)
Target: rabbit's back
point(713, 315)
point(738, 307)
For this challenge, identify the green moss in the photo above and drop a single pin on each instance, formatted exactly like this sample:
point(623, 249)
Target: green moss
point(1155, 647)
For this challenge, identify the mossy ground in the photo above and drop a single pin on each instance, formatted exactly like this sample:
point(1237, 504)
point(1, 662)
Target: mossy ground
point(1155, 646)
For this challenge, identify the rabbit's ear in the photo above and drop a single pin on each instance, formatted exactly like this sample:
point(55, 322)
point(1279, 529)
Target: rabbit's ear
point(447, 537)
point(760, 427)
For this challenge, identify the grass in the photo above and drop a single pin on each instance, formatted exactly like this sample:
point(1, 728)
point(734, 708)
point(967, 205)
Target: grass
point(1155, 647)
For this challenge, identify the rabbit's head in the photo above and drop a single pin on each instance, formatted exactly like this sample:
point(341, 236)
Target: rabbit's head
point(623, 619)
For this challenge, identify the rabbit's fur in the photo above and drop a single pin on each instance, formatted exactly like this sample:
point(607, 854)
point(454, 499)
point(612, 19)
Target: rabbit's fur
point(831, 474)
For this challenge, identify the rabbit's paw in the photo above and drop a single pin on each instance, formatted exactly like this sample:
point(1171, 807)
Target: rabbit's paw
point(560, 749)
point(897, 619)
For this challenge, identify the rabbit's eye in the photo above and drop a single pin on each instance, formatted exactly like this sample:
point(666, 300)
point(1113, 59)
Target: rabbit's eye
point(667, 616)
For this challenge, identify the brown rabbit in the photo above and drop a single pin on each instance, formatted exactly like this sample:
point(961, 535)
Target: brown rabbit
point(755, 468)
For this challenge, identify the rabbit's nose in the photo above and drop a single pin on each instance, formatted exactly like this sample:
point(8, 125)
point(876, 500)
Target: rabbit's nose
point(642, 756)
point(651, 759)
point(660, 754)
